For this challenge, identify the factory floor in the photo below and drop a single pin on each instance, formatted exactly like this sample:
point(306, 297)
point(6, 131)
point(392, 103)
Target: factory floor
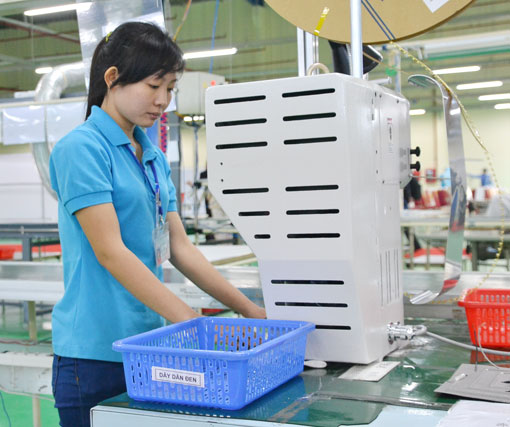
point(16, 410)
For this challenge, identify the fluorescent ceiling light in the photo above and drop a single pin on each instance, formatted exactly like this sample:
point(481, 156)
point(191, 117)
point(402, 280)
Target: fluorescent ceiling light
point(193, 118)
point(456, 70)
point(494, 97)
point(55, 9)
point(480, 85)
point(417, 112)
point(491, 40)
point(502, 106)
point(209, 53)
point(43, 70)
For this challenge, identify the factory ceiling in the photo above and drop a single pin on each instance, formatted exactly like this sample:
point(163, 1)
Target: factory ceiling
point(479, 36)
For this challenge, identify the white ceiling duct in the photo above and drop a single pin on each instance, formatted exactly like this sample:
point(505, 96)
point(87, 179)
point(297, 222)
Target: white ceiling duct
point(50, 87)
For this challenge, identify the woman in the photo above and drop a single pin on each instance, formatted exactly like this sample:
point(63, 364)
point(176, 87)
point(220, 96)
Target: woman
point(116, 205)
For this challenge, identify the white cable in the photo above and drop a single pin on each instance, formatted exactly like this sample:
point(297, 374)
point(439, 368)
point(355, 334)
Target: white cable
point(419, 330)
point(467, 346)
point(313, 67)
point(483, 352)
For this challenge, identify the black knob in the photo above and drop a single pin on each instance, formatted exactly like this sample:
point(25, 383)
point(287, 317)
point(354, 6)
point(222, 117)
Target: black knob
point(416, 151)
point(416, 166)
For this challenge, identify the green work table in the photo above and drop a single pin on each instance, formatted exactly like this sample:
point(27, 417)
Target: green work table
point(319, 398)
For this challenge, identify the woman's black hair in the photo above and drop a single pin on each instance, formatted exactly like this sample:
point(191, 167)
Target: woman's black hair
point(138, 50)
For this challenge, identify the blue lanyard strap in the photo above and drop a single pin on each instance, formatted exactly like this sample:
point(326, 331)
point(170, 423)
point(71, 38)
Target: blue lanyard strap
point(156, 193)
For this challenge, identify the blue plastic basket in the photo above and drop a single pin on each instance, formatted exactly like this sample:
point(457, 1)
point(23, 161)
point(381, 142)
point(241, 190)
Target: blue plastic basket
point(213, 362)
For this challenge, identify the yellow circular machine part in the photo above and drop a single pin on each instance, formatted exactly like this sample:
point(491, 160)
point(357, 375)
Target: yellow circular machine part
point(382, 20)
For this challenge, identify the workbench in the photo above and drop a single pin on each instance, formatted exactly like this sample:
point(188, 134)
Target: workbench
point(474, 238)
point(316, 397)
point(434, 224)
point(319, 398)
point(30, 235)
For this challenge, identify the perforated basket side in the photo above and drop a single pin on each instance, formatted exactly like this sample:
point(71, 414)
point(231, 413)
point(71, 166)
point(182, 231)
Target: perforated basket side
point(485, 298)
point(488, 316)
point(269, 369)
point(234, 335)
point(223, 386)
point(184, 335)
point(221, 353)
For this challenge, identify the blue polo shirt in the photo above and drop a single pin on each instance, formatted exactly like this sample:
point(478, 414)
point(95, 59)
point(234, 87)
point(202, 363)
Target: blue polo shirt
point(90, 166)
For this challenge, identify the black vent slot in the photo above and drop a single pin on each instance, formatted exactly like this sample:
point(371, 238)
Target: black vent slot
point(337, 327)
point(311, 304)
point(262, 236)
point(254, 213)
point(240, 122)
point(312, 188)
point(313, 235)
point(241, 145)
point(314, 212)
point(306, 117)
point(308, 93)
point(240, 99)
point(310, 140)
point(306, 282)
point(245, 190)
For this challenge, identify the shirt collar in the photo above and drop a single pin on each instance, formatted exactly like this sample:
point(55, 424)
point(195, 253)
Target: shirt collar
point(116, 136)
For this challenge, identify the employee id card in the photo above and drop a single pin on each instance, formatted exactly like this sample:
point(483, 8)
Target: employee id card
point(161, 241)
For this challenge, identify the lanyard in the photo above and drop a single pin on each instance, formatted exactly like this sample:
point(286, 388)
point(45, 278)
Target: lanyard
point(159, 208)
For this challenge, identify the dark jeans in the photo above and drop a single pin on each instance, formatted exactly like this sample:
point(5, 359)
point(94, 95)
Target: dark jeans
point(80, 384)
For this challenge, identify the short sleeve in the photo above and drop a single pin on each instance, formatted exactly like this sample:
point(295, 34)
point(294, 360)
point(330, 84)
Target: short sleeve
point(80, 171)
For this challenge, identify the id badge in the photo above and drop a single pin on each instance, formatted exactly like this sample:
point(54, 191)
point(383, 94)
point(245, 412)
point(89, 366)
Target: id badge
point(161, 241)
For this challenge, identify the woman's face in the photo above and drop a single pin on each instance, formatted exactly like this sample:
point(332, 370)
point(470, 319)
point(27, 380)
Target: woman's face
point(140, 103)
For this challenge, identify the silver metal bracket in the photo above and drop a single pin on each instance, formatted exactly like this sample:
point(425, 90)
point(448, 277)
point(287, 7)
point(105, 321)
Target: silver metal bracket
point(396, 331)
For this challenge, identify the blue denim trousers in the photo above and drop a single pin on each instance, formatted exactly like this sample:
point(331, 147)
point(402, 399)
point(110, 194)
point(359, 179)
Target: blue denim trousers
point(80, 384)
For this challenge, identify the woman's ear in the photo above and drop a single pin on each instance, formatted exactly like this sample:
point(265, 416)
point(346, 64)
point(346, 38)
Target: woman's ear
point(110, 75)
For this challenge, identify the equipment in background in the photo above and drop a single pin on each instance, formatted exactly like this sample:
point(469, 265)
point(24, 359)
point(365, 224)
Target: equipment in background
point(342, 62)
point(193, 85)
point(309, 171)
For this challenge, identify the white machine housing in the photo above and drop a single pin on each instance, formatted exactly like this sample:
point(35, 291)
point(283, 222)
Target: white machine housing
point(309, 170)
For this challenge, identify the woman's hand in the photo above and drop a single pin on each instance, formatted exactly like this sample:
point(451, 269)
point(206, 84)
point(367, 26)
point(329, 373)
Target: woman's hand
point(255, 312)
point(191, 263)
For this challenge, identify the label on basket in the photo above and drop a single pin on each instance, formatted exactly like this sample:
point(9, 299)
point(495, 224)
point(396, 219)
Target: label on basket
point(178, 377)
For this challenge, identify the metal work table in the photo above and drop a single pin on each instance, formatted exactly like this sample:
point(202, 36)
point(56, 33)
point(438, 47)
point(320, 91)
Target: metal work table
point(30, 235)
point(319, 398)
point(439, 220)
point(473, 237)
point(442, 219)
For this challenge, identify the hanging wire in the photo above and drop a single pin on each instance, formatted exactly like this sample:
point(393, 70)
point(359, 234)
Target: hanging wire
point(213, 37)
point(184, 17)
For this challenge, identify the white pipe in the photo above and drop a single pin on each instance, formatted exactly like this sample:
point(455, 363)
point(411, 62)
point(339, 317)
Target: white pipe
point(356, 43)
point(308, 51)
point(49, 88)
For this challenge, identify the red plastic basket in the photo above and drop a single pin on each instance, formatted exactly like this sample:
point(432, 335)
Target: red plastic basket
point(6, 253)
point(488, 316)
